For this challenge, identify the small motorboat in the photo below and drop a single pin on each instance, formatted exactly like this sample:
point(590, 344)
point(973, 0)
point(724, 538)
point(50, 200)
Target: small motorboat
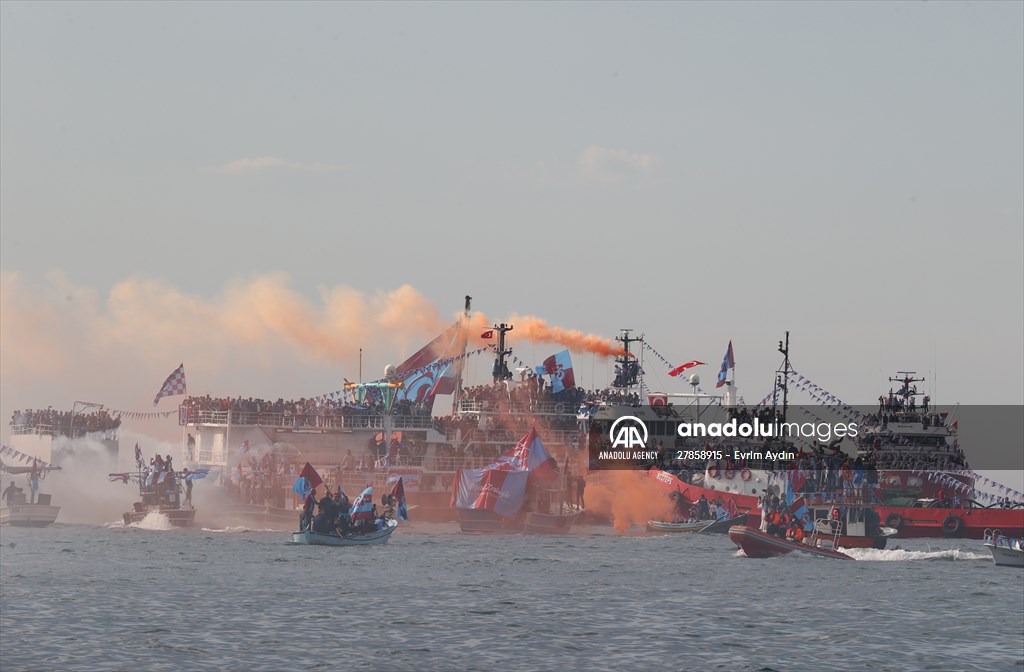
point(22, 514)
point(22, 511)
point(683, 526)
point(722, 526)
point(333, 539)
point(1006, 552)
point(757, 544)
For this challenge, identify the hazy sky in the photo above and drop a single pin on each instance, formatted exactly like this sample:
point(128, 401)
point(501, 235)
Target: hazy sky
point(701, 172)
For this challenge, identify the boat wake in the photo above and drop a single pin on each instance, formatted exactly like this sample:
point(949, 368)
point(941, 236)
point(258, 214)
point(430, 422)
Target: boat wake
point(900, 555)
point(237, 529)
point(154, 520)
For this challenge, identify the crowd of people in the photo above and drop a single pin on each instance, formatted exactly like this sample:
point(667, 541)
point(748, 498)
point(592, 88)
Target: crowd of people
point(63, 423)
point(334, 514)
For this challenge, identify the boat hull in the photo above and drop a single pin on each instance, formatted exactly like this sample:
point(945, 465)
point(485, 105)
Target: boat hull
point(540, 523)
point(757, 544)
point(663, 526)
point(1006, 557)
point(177, 517)
point(28, 515)
point(474, 521)
point(320, 539)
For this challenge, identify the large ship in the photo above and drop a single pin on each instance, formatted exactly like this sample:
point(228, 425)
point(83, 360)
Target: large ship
point(907, 463)
point(377, 432)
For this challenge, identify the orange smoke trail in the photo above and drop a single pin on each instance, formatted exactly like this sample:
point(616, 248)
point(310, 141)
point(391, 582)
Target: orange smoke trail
point(537, 330)
point(628, 497)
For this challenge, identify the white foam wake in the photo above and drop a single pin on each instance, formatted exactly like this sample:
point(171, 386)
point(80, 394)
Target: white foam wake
point(236, 529)
point(154, 520)
point(900, 555)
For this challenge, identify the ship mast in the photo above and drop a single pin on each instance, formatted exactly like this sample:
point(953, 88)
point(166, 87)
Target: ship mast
point(628, 368)
point(463, 326)
point(782, 376)
point(500, 370)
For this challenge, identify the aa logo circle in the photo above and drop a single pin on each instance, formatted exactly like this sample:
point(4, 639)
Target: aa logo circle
point(628, 432)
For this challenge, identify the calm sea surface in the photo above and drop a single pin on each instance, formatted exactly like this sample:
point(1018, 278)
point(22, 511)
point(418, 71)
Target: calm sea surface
point(76, 597)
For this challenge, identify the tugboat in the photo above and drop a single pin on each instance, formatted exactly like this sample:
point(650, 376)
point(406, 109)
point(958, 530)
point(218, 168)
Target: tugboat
point(159, 492)
point(37, 511)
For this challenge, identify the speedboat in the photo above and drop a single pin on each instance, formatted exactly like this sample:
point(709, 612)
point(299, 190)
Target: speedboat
point(757, 544)
point(311, 538)
point(846, 527)
point(1006, 552)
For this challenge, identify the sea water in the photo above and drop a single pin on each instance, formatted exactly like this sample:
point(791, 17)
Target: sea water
point(145, 597)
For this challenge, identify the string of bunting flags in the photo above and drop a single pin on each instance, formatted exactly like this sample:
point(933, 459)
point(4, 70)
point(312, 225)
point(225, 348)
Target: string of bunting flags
point(19, 456)
point(141, 415)
point(945, 479)
point(650, 348)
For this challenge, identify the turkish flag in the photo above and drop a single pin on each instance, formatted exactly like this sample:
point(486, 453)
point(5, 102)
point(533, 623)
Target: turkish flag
point(487, 334)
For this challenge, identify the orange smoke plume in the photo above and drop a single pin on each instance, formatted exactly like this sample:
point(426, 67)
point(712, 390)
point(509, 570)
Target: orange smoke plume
point(628, 497)
point(537, 330)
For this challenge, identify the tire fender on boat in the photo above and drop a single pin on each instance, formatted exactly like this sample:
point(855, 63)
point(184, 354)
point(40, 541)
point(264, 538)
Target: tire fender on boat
point(894, 520)
point(951, 525)
point(745, 474)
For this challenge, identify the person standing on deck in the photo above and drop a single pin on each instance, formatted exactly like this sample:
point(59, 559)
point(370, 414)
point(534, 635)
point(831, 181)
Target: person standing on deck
point(581, 485)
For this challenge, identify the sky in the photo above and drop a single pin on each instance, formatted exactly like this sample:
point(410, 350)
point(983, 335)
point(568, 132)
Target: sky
point(259, 190)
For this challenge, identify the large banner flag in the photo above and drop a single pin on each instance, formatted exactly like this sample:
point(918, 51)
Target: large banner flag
point(309, 473)
point(729, 362)
point(528, 455)
point(683, 367)
point(423, 385)
point(362, 507)
point(559, 367)
point(498, 490)
point(398, 495)
point(173, 386)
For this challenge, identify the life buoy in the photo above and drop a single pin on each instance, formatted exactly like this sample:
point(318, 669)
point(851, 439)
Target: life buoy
point(559, 408)
point(544, 434)
point(951, 525)
point(730, 474)
point(745, 474)
point(713, 472)
point(509, 435)
point(894, 520)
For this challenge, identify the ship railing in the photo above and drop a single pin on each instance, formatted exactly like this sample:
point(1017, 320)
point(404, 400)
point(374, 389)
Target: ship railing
point(309, 420)
point(527, 408)
point(41, 430)
point(553, 436)
point(54, 431)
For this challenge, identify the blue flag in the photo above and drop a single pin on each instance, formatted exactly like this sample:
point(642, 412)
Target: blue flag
point(301, 487)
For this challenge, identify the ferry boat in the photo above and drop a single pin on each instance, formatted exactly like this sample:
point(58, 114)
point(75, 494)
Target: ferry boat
point(359, 438)
point(906, 499)
point(159, 492)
